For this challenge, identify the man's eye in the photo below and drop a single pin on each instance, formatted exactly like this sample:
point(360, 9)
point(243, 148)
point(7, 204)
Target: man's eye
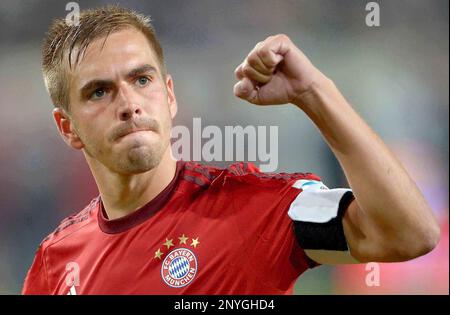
point(99, 93)
point(143, 81)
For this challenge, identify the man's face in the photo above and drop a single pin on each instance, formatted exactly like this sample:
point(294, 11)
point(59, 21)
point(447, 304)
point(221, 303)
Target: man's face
point(121, 107)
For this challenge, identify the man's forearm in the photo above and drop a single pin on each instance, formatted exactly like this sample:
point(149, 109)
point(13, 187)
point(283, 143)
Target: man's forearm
point(388, 197)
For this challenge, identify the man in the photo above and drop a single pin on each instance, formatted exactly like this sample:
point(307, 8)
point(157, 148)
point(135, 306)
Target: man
point(165, 227)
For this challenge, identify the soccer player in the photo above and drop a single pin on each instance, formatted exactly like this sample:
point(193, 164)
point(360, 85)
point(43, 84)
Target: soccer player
point(161, 226)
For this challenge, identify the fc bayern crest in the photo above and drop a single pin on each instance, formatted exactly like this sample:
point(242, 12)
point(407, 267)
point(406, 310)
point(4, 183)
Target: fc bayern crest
point(179, 268)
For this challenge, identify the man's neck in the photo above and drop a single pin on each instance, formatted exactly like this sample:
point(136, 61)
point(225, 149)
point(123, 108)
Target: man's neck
point(122, 195)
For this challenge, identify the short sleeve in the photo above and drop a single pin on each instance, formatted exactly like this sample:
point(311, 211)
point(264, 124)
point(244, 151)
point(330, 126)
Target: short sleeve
point(281, 205)
point(262, 201)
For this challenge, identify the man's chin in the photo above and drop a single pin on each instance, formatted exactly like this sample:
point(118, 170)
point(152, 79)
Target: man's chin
point(139, 160)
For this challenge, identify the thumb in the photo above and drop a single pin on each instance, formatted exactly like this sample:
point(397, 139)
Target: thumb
point(270, 58)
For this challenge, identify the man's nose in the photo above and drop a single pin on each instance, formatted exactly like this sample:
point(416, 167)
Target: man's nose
point(128, 105)
point(127, 111)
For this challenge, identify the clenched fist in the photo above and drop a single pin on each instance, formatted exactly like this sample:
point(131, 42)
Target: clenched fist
point(275, 72)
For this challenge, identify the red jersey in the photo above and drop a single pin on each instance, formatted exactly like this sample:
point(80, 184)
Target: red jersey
point(210, 231)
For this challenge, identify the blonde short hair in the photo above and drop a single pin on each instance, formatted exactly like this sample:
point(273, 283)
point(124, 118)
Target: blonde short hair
point(63, 39)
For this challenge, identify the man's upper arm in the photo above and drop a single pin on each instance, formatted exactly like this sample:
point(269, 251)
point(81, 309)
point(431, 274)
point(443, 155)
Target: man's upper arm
point(336, 257)
point(319, 216)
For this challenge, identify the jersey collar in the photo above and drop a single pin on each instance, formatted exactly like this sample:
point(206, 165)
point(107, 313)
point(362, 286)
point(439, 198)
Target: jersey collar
point(141, 215)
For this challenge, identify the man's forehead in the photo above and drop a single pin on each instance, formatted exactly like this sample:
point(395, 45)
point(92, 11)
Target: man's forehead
point(117, 54)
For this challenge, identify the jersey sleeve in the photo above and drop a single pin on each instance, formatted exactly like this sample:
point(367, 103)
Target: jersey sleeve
point(281, 223)
point(36, 282)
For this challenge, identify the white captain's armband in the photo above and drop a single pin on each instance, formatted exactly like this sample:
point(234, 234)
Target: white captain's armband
point(317, 213)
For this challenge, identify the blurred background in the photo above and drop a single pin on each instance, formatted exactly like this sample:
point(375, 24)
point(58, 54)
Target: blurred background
point(396, 76)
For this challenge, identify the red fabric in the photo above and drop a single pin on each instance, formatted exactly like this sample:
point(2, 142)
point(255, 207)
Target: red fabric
point(246, 243)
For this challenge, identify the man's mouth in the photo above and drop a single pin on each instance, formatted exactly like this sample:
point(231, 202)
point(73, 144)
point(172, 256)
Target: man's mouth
point(131, 132)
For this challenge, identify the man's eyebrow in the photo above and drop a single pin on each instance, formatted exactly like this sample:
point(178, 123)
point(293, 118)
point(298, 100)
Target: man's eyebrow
point(93, 84)
point(140, 70)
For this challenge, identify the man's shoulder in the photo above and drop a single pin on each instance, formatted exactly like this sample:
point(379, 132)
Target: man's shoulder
point(71, 224)
point(246, 169)
point(245, 172)
point(208, 174)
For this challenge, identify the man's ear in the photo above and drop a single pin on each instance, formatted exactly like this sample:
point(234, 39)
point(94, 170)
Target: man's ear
point(173, 106)
point(66, 129)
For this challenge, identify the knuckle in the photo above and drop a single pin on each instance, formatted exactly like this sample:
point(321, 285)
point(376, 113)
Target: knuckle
point(259, 45)
point(247, 71)
point(283, 37)
point(252, 60)
point(238, 72)
point(264, 53)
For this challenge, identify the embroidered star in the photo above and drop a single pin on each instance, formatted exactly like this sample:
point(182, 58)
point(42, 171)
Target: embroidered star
point(195, 242)
point(158, 254)
point(169, 243)
point(183, 239)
